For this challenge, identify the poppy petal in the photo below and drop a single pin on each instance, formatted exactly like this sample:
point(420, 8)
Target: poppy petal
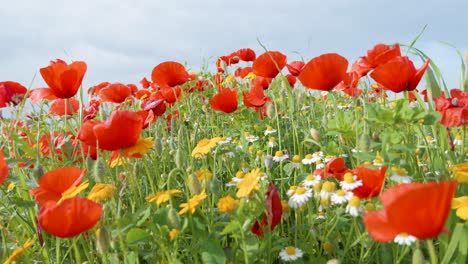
point(225, 101)
point(120, 130)
point(395, 74)
point(71, 217)
point(169, 73)
point(324, 72)
point(4, 170)
point(378, 226)
point(115, 93)
point(62, 107)
point(269, 64)
point(36, 95)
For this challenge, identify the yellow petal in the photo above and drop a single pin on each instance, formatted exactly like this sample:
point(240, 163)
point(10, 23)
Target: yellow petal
point(462, 212)
point(142, 146)
point(460, 202)
point(73, 191)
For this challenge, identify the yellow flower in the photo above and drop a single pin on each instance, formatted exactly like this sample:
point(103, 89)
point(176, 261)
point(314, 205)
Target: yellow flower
point(192, 203)
point(101, 192)
point(227, 204)
point(174, 233)
point(461, 204)
point(204, 146)
point(204, 175)
point(460, 172)
point(249, 183)
point(73, 191)
point(19, 251)
point(162, 197)
point(142, 146)
point(11, 186)
point(120, 160)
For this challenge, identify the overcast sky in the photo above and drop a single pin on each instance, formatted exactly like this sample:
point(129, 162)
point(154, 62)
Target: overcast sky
point(121, 41)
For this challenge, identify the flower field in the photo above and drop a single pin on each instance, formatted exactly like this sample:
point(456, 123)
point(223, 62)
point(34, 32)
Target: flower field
point(263, 160)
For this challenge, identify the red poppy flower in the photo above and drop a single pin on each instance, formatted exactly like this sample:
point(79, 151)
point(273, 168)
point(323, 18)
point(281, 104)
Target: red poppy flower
point(269, 64)
point(417, 209)
point(4, 170)
point(336, 168)
point(372, 181)
point(399, 74)
point(70, 217)
point(91, 110)
point(63, 107)
point(291, 80)
point(120, 130)
point(94, 90)
point(274, 211)
point(263, 82)
point(53, 183)
point(246, 54)
point(225, 100)
point(170, 94)
point(324, 72)
point(295, 67)
point(145, 83)
point(157, 106)
point(255, 97)
point(454, 110)
point(378, 55)
point(242, 72)
point(169, 73)
point(38, 94)
point(64, 79)
point(115, 93)
point(11, 93)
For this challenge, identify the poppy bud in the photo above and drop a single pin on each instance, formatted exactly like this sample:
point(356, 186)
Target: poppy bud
point(214, 186)
point(38, 170)
point(364, 142)
point(315, 134)
point(103, 240)
point(99, 169)
point(193, 184)
point(268, 160)
point(418, 257)
point(270, 109)
point(178, 158)
point(376, 136)
point(455, 101)
point(173, 219)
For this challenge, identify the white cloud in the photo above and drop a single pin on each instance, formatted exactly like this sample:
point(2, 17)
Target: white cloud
point(124, 40)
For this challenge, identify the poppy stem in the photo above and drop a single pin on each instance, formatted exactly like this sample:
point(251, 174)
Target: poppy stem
point(432, 253)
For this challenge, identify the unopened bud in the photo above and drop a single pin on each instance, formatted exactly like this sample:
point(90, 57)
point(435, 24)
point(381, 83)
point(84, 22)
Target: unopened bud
point(364, 142)
point(268, 160)
point(418, 257)
point(178, 158)
point(270, 110)
point(214, 186)
point(99, 170)
point(38, 170)
point(173, 219)
point(103, 240)
point(315, 134)
point(193, 184)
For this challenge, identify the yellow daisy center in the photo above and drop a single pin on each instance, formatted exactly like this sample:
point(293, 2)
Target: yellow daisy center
point(300, 190)
point(290, 251)
point(354, 201)
point(348, 177)
point(279, 153)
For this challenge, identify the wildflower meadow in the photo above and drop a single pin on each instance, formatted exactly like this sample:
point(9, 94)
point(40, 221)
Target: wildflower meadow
point(262, 159)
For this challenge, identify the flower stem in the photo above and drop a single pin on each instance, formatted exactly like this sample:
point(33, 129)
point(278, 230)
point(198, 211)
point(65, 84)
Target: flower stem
point(432, 253)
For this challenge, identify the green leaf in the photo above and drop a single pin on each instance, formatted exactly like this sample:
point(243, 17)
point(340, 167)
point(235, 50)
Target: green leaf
point(23, 203)
point(453, 243)
point(211, 252)
point(230, 228)
point(137, 235)
point(432, 118)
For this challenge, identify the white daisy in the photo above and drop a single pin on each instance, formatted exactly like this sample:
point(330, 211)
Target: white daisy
point(250, 138)
point(319, 165)
point(224, 141)
point(328, 188)
point(272, 142)
point(311, 180)
point(430, 139)
point(458, 140)
point(350, 182)
point(280, 156)
point(405, 239)
point(239, 177)
point(299, 197)
point(317, 156)
point(327, 158)
point(400, 176)
point(290, 253)
point(341, 197)
point(354, 206)
point(320, 215)
point(291, 190)
point(269, 131)
point(307, 160)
